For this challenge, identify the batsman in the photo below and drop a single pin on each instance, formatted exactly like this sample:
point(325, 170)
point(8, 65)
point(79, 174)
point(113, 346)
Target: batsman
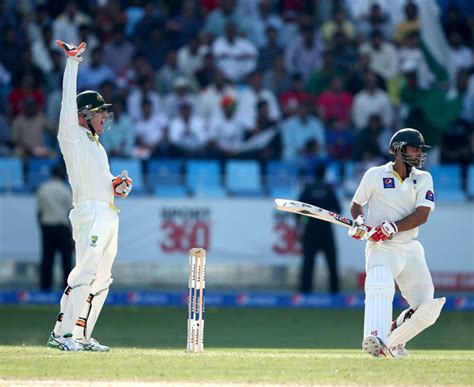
point(400, 198)
point(94, 217)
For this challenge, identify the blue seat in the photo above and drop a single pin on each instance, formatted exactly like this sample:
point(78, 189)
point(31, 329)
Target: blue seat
point(165, 177)
point(12, 176)
point(203, 178)
point(447, 182)
point(470, 180)
point(38, 171)
point(134, 169)
point(282, 179)
point(243, 177)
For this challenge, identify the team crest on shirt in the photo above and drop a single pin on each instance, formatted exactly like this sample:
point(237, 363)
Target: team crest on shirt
point(94, 239)
point(388, 182)
point(430, 196)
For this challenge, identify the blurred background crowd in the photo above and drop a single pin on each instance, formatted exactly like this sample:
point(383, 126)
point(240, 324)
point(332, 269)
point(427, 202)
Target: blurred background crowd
point(301, 82)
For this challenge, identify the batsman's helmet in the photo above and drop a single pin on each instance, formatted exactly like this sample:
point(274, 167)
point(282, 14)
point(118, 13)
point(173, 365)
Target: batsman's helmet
point(408, 137)
point(90, 100)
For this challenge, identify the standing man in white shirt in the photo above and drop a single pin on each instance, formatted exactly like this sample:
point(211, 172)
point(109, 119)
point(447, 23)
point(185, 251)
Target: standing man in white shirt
point(400, 198)
point(94, 217)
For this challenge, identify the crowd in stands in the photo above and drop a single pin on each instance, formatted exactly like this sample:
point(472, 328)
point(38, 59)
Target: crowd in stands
point(294, 80)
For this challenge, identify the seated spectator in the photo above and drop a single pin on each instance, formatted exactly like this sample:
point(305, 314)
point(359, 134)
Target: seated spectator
point(168, 73)
point(335, 103)
point(249, 97)
point(270, 50)
point(191, 57)
point(383, 56)
point(119, 141)
point(343, 52)
point(209, 98)
point(217, 19)
point(10, 48)
point(257, 25)
point(460, 57)
point(28, 132)
point(137, 96)
point(97, 72)
point(235, 56)
point(227, 129)
point(41, 48)
point(355, 77)
point(370, 140)
point(66, 24)
point(151, 133)
point(410, 24)
point(276, 78)
point(182, 91)
point(340, 141)
point(25, 65)
point(303, 53)
point(27, 89)
point(376, 19)
point(87, 35)
point(155, 47)
point(455, 20)
point(187, 134)
point(295, 95)
point(205, 74)
point(297, 131)
point(139, 68)
point(321, 78)
point(6, 145)
point(118, 52)
point(411, 57)
point(371, 100)
point(338, 22)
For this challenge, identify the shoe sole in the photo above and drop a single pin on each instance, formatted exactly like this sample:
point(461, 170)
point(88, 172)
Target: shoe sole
point(372, 346)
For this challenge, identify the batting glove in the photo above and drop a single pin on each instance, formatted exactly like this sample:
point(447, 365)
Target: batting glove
point(383, 232)
point(359, 228)
point(122, 185)
point(72, 51)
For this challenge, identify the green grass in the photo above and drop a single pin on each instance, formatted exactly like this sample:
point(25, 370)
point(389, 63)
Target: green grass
point(290, 346)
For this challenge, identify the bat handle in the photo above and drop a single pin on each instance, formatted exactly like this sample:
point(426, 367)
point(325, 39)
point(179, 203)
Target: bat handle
point(124, 174)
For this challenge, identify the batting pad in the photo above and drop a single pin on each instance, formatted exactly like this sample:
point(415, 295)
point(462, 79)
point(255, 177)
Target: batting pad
point(71, 306)
point(379, 292)
point(89, 315)
point(426, 315)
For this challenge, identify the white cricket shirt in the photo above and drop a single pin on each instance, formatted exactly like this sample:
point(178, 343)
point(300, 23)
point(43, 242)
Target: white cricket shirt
point(86, 160)
point(390, 199)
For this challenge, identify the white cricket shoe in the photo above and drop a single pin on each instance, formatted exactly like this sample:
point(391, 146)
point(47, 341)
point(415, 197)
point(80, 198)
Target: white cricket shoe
point(92, 345)
point(399, 351)
point(375, 347)
point(63, 343)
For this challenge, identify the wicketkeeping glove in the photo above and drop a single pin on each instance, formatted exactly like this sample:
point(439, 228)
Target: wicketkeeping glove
point(359, 229)
point(72, 51)
point(122, 185)
point(383, 232)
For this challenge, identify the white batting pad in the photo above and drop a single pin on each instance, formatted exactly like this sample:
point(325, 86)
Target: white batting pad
point(426, 315)
point(90, 313)
point(71, 306)
point(379, 292)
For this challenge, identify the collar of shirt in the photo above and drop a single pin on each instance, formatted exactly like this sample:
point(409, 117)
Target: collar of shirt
point(389, 168)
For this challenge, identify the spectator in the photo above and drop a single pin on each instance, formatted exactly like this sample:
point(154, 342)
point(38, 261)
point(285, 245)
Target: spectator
point(257, 26)
point(295, 95)
point(151, 132)
point(218, 19)
point(371, 100)
point(459, 56)
point(410, 24)
point(411, 57)
point(298, 131)
point(183, 25)
point(191, 57)
point(270, 50)
point(340, 141)
point(28, 132)
point(66, 25)
point(137, 96)
point(168, 73)
point(119, 141)
point(355, 77)
point(182, 91)
point(187, 133)
point(316, 235)
point(88, 35)
point(118, 52)
point(321, 78)
point(383, 56)
point(235, 56)
point(454, 20)
point(338, 22)
point(303, 53)
point(10, 48)
point(343, 52)
point(41, 48)
point(376, 19)
point(369, 142)
point(276, 78)
point(97, 72)
point(138, 69)
point(53, 200)
point(250, 96)
point(5, 135)
point(335, 103)
point(205, 74)
point(209, 98)
point(27, 89)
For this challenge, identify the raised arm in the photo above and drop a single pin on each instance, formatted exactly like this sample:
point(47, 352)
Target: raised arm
point(68, 121)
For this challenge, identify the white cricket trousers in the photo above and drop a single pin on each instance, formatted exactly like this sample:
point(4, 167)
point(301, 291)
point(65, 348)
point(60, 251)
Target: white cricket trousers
point(95, 231)
point(402, 262)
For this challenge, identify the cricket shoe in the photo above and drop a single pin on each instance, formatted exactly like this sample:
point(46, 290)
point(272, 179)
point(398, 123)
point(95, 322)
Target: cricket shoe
point(399, 352)
point(63, 343)
point(375, 347)
point(92, 345)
